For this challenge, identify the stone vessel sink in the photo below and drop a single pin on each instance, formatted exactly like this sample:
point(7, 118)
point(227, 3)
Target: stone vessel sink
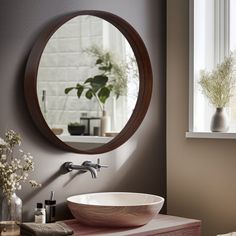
point(115, 209)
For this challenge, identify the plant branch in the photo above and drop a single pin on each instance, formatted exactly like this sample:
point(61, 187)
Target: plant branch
point(99, 102)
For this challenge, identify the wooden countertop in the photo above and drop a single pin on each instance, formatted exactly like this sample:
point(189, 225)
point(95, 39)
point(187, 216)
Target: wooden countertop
point(160, 225)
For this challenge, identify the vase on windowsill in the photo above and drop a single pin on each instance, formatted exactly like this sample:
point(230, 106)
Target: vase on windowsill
point(218, 85)
point(220, 121)
point(11, 215)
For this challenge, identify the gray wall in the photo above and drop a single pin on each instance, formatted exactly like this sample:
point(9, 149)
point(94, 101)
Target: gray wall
point(139, 164)
point(200, 172)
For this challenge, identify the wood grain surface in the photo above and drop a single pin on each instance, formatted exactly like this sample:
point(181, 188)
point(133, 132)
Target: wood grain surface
point(163, 225)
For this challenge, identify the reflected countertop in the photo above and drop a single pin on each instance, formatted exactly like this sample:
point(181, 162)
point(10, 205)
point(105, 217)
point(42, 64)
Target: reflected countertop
point(84, 139)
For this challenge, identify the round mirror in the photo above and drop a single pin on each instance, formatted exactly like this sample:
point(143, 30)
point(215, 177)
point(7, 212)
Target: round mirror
point(88, 82)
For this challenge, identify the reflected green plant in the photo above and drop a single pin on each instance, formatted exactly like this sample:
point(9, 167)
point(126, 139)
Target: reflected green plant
point(111, 77)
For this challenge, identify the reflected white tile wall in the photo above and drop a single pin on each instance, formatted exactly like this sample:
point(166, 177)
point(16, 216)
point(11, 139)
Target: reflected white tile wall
point(62, 66)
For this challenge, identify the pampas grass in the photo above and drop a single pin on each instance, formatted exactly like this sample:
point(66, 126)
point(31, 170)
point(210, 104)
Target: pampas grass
point(218, 85)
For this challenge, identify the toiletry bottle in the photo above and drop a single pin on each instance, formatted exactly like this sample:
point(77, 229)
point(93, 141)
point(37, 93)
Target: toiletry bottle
point(40, 214)
point(50, 206)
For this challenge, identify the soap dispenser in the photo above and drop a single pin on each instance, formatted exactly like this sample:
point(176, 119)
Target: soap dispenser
point(50, 206)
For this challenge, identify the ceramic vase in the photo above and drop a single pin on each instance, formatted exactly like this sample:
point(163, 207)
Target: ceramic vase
point(219, 121)
point(11, 215)
point(105, 123)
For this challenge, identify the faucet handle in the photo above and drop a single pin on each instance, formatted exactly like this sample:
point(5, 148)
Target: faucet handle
point(87, 163)
point(67, 166)
point(99, 165)
point(96, 166)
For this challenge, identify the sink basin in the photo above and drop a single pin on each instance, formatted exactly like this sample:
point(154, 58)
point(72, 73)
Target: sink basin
point(115, 209)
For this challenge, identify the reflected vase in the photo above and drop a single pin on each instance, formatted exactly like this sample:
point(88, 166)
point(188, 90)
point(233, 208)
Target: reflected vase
point(220, 121)
point(105, 123)
point(11, 215)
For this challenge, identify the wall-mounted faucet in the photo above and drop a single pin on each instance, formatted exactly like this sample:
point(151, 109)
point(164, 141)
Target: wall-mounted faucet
point(86, 166)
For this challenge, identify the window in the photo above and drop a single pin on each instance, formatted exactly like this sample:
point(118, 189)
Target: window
point(212, 37)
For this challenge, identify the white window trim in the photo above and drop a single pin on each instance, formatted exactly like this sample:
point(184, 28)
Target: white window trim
point(191, 65)
point(210, 135)
point(222, 47)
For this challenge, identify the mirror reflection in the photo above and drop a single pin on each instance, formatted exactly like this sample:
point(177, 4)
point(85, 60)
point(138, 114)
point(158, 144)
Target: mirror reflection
point(88, 82)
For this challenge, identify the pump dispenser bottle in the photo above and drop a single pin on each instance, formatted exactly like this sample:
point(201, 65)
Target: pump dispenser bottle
point(50, 206)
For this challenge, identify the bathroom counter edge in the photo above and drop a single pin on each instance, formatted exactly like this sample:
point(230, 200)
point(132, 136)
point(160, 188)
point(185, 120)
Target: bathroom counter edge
point(160, 225)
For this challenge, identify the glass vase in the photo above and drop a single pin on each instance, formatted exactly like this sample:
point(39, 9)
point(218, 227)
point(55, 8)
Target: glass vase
point(11, 216)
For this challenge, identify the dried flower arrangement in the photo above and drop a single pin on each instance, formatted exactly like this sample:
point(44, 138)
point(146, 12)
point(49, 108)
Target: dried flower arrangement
point(218, 85)
point(14, 166)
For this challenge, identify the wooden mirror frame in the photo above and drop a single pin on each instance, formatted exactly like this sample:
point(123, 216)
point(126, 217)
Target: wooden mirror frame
point(145, 81)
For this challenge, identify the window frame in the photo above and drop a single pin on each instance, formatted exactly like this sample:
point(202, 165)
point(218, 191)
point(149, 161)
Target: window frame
point(221, 48)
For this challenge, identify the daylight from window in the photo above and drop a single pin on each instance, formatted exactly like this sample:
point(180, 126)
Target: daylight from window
point(232, 45)
point(214, 36)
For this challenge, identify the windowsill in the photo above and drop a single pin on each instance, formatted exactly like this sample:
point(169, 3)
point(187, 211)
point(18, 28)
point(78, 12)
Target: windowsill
point(210, 135)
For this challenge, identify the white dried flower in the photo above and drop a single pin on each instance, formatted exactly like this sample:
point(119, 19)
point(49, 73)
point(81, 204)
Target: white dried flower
point(34, 183)
point(14, 167)
point(218, 85)
point(3, 144)
point(19, 187)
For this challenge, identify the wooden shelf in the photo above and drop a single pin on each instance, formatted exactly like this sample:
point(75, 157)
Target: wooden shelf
point(163, 225)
